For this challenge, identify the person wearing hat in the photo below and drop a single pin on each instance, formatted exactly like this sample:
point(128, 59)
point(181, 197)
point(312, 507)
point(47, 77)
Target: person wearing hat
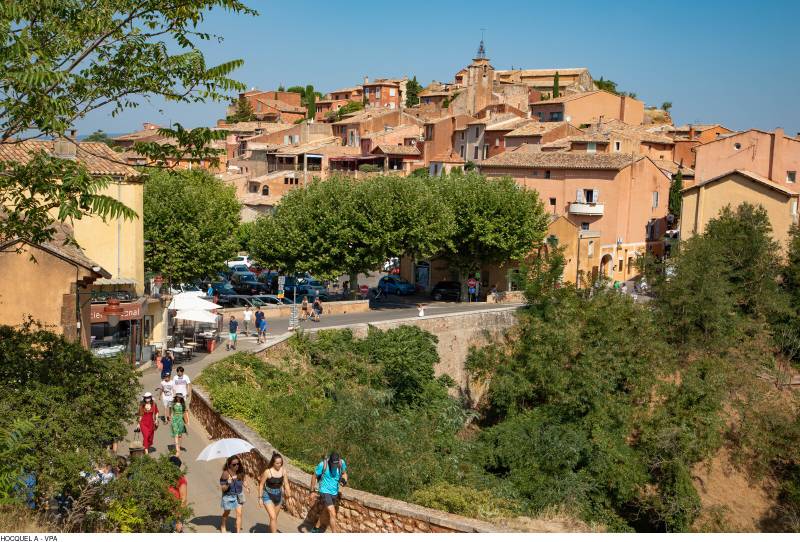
point(329, 473)
point(148, 420)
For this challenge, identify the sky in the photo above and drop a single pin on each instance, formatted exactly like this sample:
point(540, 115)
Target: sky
point(732, 62)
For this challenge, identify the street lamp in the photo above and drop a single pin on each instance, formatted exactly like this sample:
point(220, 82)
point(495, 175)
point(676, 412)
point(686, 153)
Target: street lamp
point(113, 311)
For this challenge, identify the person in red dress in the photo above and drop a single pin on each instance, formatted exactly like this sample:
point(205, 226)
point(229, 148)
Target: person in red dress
point(179, 491)
point(148, 420)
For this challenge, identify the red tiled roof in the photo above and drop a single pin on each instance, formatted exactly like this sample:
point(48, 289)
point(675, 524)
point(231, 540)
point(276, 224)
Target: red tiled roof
point(98, 158)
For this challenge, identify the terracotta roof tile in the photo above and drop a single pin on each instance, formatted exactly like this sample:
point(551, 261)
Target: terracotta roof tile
point(396, 149)
point(98, 158)
point(524, 157)
point(533, 127)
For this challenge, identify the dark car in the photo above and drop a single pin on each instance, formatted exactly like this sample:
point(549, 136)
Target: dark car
point(446, 289)
point(223, 288)
point(248, 284)
point(238, 301)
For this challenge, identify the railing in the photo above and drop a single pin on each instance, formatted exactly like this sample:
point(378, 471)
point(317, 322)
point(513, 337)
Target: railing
point(589, 209)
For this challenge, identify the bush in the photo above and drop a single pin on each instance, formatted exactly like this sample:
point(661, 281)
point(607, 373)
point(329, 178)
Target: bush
point(369, 168)
point(465, 501)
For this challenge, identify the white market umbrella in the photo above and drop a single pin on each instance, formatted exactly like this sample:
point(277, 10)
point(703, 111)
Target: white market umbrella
point(197, 316)
point(224, 448)
point(191, 302)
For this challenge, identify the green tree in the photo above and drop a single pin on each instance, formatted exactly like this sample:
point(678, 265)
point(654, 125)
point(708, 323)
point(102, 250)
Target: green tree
point(556, 91)
point(281, 88)
point(310, 101)
point(496, 221)
point(298, 89)
point(606, 84)
point(189, 217)
point(349, 107)
point(675, 195)
point(58, 65)
point(99, 136)
point(666, 106)
point(244, 111)
point(413, 88)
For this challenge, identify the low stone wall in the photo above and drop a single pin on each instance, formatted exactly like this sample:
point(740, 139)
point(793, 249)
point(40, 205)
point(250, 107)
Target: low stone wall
point(513, 296)
point(358, 511)
point(284, 311)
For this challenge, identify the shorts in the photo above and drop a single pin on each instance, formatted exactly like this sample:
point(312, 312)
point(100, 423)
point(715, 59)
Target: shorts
point(274, 495)
point(232, 336)
point(329, 500)
point(167, 405)
point(230, 502)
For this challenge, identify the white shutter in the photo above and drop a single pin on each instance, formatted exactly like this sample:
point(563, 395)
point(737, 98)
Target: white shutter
point(579, 196)
point(595, 195)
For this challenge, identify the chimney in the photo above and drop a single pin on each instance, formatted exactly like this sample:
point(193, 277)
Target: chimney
point(366, 80)
point(776, 171)
point(66, 148)
point(691, 131)
point(622, 108)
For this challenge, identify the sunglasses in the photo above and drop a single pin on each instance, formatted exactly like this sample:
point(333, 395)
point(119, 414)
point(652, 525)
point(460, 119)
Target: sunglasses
point(235, 464)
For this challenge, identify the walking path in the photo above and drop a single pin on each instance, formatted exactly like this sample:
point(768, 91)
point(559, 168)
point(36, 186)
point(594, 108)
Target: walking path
point(203, 477)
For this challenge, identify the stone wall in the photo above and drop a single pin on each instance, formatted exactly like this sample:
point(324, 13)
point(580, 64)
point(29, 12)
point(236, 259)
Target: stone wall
point(457, 334)
point(284, 311)
point(358, 511)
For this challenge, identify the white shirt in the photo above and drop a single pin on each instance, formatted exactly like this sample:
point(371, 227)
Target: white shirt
point(180, 384)
point(167, 387)
point(248, 315)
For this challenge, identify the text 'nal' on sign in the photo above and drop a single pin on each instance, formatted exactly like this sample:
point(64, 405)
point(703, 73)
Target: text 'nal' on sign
point(130, 311)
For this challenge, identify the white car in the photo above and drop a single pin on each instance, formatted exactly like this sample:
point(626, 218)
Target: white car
point(240, 260)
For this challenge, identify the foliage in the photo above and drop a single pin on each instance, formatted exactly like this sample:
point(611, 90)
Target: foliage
point(675, 195)
point(349, 107)
point(244, 111)
point(450, 99)
point(191, 146)
point(362, 398)
point(465, 501)
point(189, 217)
point(62, 61)
point(606, 84)
point(495, 220)
point(556, 91)
point(99, 136)
point(666, 106)
point(413, 88)
point(344, 226)
point(369, 168)
point(310, 101)
point(44, 377)
point(469, 165)
point(30, 200)
point(244, 234)
point(137, 502)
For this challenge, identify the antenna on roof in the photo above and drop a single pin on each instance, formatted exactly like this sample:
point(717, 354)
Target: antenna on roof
point(481, 48)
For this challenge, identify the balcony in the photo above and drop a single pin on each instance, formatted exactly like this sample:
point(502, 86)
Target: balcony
point(587, 209)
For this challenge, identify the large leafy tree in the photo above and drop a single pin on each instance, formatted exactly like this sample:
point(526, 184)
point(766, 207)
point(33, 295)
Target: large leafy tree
point(63, 60)
point(190, 224)
point(413, 88)
point(244, 111)
point(496, 221)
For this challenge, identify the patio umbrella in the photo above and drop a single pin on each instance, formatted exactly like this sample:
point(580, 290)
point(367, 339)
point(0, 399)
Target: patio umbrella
point(191, 302)
point(197, 316)
point(224, 448)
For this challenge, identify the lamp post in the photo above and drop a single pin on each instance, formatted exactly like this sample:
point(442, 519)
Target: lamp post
point(113, 311)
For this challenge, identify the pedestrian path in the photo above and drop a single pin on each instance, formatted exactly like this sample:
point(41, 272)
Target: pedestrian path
point(202, 476)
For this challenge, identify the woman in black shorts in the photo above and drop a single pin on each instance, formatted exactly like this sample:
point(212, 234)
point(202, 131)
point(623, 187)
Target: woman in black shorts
point(274, 489)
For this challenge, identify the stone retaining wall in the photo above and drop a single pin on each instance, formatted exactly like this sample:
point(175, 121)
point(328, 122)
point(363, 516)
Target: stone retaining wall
point(358, 511)
point(284, 311)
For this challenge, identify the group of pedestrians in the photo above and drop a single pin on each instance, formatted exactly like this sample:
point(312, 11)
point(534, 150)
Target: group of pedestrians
point(312, 311)
point(261, 327)
point(174, 392)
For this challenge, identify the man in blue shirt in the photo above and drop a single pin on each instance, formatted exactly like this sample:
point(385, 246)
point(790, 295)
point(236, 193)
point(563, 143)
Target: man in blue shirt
point(329, 474)
point(233, 327)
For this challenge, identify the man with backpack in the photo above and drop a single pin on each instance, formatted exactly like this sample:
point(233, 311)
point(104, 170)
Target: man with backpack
point(329, 474)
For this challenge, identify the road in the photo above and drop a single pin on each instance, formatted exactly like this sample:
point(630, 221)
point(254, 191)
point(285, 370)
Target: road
point(202, 477)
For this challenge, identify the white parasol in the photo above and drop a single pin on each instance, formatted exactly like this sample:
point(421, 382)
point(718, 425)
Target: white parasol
point(186, 301)
point(197, 316)
point(224, 448)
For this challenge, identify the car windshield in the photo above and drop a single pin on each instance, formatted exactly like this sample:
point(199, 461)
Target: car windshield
point(247, 277)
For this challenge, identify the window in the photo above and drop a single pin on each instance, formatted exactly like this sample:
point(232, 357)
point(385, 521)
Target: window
point(295, 139)
point(585, 226)
point(617, 146)
point(619, 265)
point(252, 188)
point(590, 249)
point(391, 92)
point(591, 148)
point(286, 140)
point(475, 153)
point(485, 151)
point(366, 92)
point(541, 116)
point(462, 134)
point(553, 202)
point(791, 176)
point(655, 200)
point(589, 196)
point(547, 174)
point(463, 155)
point(265, 190)
point(737, 146)
point(476, 131)
point(497, 142)
point(377, 93)
point(391, 105)
point(556, 116)
point(794, 207)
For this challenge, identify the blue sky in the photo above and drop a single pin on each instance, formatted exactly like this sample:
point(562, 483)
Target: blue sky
point(732, 62)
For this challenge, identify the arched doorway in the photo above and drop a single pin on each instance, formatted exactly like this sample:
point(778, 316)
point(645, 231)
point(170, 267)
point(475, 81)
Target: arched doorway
point(606, 265)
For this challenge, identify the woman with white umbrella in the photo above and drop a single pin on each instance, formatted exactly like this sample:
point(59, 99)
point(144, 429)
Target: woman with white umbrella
point(232, 483)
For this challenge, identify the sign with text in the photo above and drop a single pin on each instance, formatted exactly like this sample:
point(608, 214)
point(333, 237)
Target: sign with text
point(130, 311)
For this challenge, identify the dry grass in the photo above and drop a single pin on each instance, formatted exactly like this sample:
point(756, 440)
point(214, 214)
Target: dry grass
point(552, 520)
point(18, 519)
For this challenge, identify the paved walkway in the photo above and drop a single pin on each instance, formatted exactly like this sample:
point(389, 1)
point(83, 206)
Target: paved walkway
point(203, 477)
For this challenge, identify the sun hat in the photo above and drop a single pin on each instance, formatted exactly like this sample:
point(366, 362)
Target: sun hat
point(147, 394)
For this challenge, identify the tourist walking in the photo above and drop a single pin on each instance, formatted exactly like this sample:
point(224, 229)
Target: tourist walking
point(304, 312)
point(274, 489)
point(328, 475)
point(148, 420)
point(247, 317)
point(233, 328)
point(232, 484)
point(167, 362)
point(317, 310)
point(262, 331)
point(180, 490)
point(180, 419)
point(166, 388)
point(181, 383)
point(259, 316)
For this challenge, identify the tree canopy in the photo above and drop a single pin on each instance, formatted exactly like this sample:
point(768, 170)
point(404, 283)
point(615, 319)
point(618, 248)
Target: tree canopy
point(244, 111)
point(190, 220)
point(413, 88)
point(58, 65)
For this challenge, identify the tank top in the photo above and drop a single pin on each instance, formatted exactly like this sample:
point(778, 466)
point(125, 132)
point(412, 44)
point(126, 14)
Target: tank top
point(274, 482)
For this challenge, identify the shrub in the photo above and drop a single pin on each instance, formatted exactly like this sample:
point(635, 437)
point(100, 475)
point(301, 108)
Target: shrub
point(465, 501)
point(369, 168)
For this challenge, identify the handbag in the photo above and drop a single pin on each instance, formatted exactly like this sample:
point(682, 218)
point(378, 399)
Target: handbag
point(240, 498)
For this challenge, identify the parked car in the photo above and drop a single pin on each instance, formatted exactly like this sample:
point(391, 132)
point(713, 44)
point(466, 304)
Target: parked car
point(238, 268)
point(246, 283)
point(270, 300)
point(446, 289)
point(223, 288)
point(235, 301)
point(392, 284)
point(312, 288)
point(240, 260)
